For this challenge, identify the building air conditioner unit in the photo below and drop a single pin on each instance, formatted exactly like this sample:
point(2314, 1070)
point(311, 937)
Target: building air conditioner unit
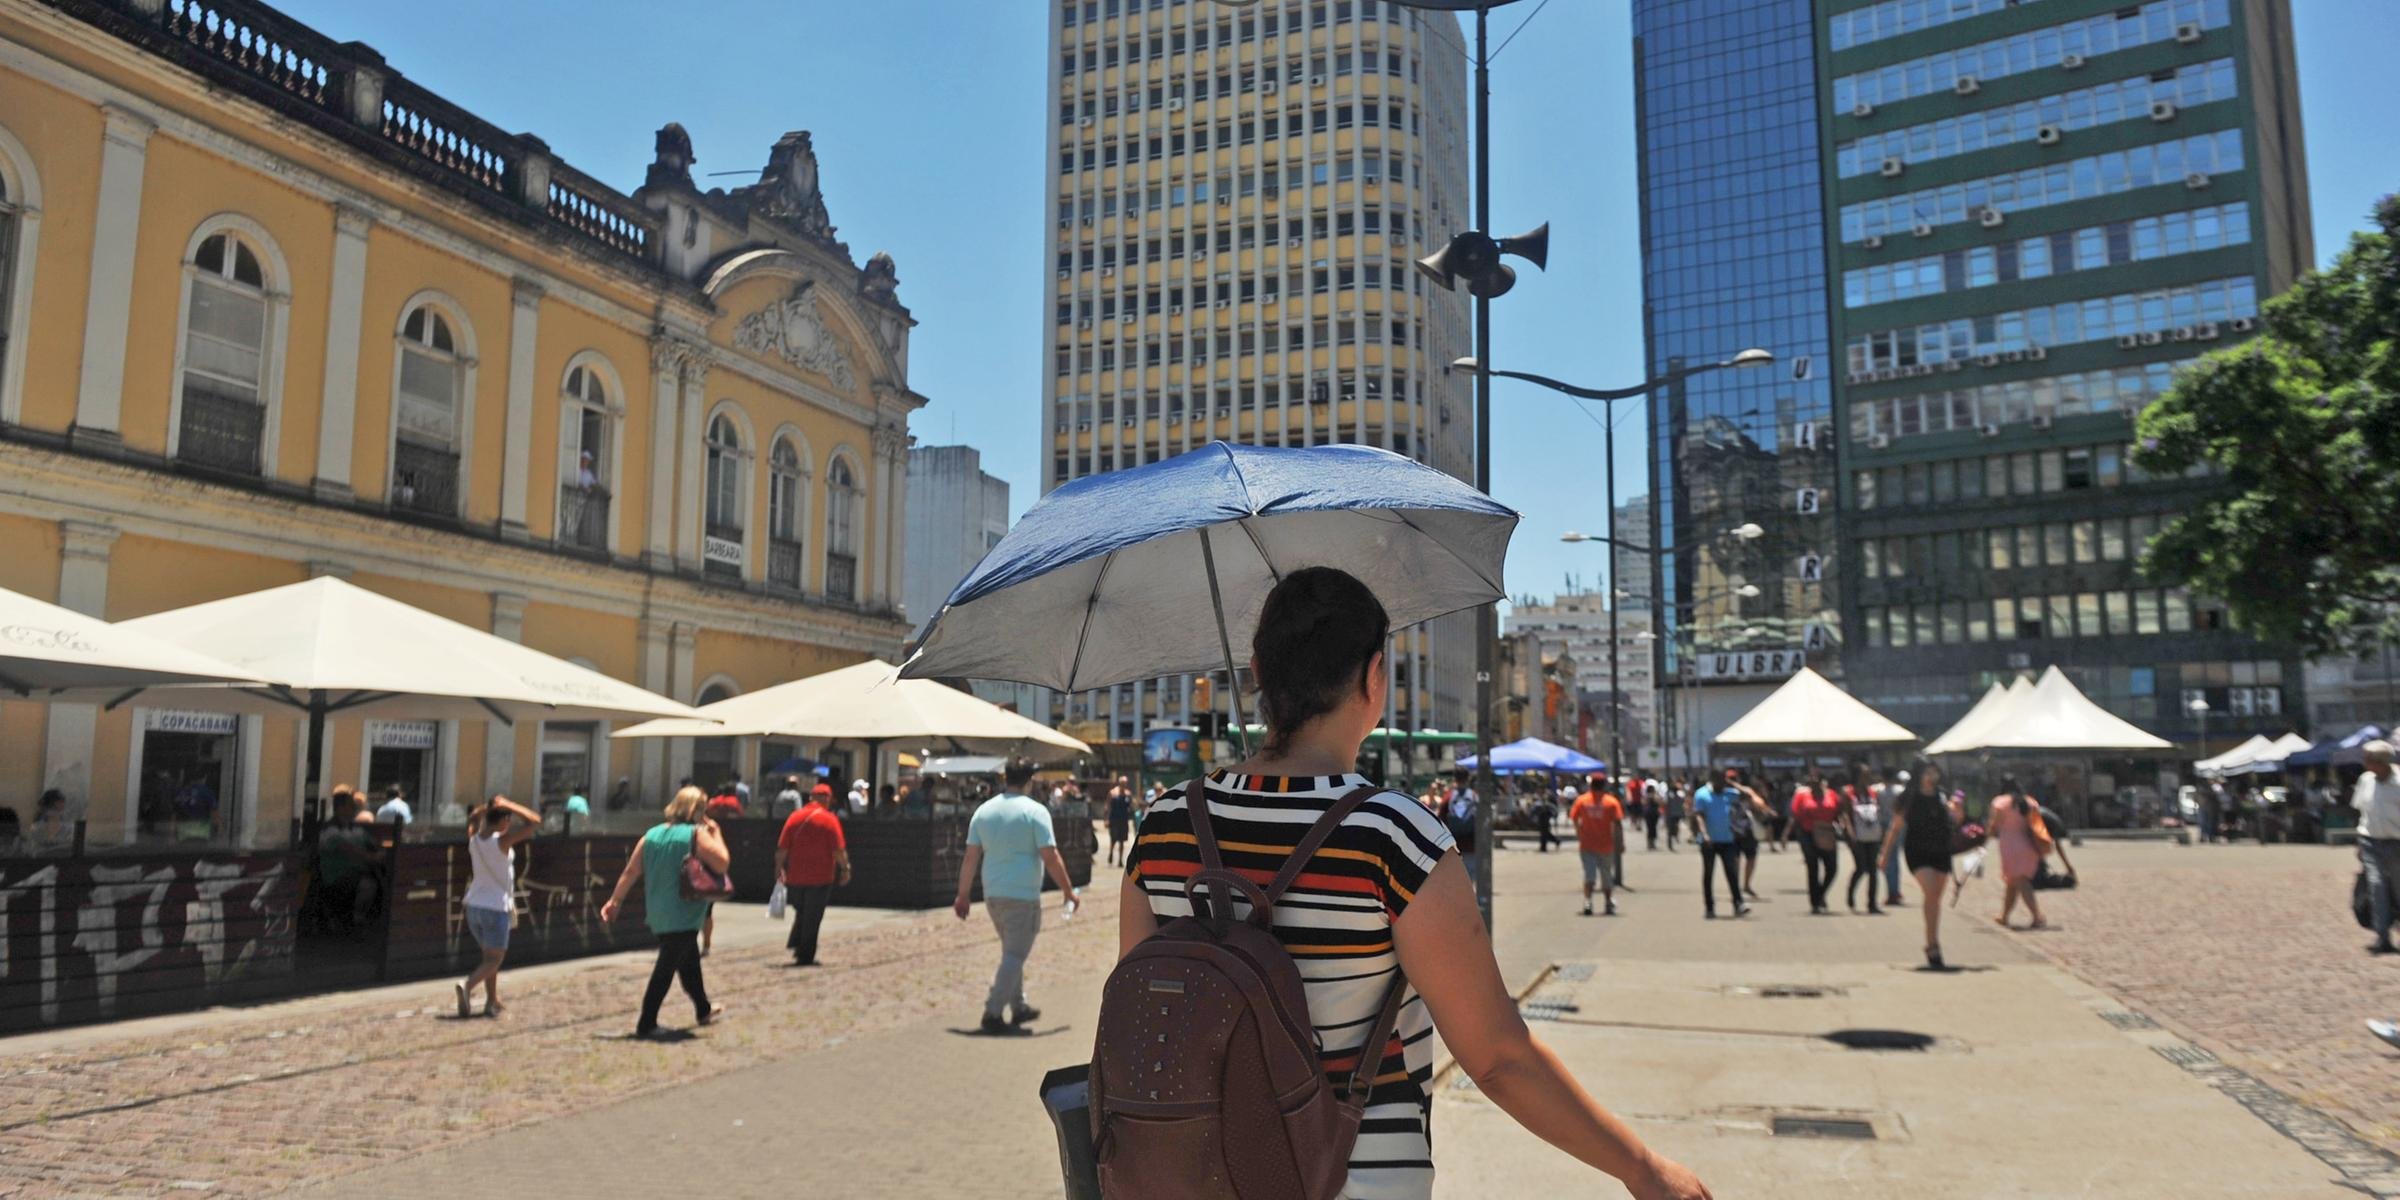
point(2187, 33)
point(1893, 167)
point(2070, 62)
point(2162, 110)
point(2127, 341)
point(1991, 218)
point(2047, 135)
point(1108, 270)
point(1064, 273)
point(1991, 430)
point(1175, 104)
point(1125, 423)
point(1881, 441)
point(1224, 304)
point(2042, 420)
point(1316, 81)
point(1085, 123)
point(1291, 243)
point(2196, 181)
point(1225, 412)
point(1862, 110)
point(1873, 241)
point(1224, 200)
point(1922, 229)
point(1966, 85)
point(1267, 85)
point(2242, 324)
point(1083, 426)
point(1126, 319)
point(1085, 323)
point(1086, 222)
point(1174, 310)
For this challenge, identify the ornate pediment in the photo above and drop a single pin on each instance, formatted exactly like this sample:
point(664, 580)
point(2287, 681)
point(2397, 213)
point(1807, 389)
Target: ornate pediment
point(796, 331)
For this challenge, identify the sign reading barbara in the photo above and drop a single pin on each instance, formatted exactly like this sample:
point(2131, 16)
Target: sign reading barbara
point(721, 550)
point(1752, 664)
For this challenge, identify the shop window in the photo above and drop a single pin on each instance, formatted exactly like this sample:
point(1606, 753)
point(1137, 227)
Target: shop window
point(189, 791)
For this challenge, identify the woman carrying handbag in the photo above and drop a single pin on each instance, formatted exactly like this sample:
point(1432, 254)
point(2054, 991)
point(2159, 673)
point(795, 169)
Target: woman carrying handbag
point(681, 861)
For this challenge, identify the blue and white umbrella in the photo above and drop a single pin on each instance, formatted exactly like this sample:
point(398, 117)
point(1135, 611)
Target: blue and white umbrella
point(1162, 569)
point(1534, 754)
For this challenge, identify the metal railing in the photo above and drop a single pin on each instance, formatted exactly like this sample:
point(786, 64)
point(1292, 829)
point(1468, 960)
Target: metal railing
point(841, 578)
point(583, 517)
point(729, 533)
point(219, 432)
point(424, 480)
point(783, 563)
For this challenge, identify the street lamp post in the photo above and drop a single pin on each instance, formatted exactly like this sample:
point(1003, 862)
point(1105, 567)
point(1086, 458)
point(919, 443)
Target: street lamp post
point(1474, 256)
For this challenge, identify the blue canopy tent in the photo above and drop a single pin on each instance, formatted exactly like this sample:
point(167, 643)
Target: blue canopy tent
point(1534, 754)
point(2341, 750)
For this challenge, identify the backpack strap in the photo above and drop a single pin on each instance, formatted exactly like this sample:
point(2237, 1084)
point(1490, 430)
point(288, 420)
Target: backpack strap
point(1371, 1053)
point(1212, 877)
point(1314, 839)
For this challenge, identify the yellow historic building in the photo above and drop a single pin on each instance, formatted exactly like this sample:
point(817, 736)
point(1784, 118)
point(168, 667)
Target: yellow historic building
point(269, 310)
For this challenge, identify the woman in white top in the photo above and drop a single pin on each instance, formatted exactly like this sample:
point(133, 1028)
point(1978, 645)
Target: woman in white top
point(1867, 820)
point(493, 831)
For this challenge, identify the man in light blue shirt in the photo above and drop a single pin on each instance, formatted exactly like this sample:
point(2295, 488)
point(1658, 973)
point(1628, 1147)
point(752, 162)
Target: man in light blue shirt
point(1719, 812)
point(1010, 845)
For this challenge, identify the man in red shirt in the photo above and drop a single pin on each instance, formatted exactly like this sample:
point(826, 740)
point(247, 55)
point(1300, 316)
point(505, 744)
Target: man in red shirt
point(811, 858)
point(726, 804)
point(1599, 820)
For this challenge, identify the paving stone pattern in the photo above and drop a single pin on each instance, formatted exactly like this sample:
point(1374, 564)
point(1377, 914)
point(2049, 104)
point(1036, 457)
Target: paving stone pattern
point(2256, 959)
point(250, 1108)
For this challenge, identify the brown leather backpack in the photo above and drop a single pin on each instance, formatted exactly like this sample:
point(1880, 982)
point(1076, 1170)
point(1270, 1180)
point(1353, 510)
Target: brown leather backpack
point(1206, 1082)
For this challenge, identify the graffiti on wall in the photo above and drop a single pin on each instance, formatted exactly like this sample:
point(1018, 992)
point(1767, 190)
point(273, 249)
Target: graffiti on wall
point(82, 939)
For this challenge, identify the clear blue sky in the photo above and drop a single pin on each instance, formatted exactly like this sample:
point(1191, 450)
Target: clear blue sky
point(933, 131)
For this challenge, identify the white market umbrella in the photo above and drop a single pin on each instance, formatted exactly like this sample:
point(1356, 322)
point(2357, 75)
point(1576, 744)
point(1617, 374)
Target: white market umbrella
point(2272, 758)
point(2056, 715)
point(45, 649)
point(1809, 710)
point(2233, 760)
point(867, 702)
point(1961, 736)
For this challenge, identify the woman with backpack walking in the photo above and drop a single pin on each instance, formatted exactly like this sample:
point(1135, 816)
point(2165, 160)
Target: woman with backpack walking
point(1292, 858)
point(1923, 827)
point(657, 862)
point(2015, 821)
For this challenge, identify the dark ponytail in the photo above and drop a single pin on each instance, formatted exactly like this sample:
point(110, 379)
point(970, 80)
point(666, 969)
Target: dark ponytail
point(1318, 633)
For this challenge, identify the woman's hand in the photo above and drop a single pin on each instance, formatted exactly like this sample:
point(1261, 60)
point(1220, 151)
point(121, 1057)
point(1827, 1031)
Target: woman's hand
point(1666, 1179)
point(608, 913)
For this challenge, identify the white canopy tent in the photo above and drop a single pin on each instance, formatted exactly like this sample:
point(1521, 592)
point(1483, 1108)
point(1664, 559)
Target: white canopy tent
point(869, 703)
point(45, 649)
point(325, 647)
point(1808, 710)
point(2056, 715)
point(1988, 710)
point(2233, 760)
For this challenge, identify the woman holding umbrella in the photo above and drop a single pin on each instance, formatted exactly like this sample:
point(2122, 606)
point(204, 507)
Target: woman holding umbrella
point(1318, 657)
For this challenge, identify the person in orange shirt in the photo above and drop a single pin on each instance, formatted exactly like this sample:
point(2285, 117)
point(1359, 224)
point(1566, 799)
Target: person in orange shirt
point(1599, 820)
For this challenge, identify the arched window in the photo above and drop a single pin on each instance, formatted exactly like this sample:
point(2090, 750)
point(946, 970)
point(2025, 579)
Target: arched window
point(20, 235)
point(841, 530)
point(724, 503)
point(584, 452)
point(223, 422)
point(8, 266)
point(787, 480)
point(425, 448)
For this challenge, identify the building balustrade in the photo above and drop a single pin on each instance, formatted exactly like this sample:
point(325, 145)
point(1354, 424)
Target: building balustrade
point(221, 433)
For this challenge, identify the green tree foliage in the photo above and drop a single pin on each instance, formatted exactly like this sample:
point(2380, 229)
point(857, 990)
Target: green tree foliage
point(2302, 423)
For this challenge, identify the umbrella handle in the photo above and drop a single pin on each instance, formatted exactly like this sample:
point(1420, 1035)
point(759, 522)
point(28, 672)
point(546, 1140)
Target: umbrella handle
point(1233, 678)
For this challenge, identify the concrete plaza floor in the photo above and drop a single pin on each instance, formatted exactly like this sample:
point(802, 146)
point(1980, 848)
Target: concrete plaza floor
point(857, 1080)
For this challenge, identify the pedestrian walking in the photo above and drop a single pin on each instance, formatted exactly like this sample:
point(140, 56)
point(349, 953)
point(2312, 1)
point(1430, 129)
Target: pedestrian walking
point(1750, 815)
point(1120, 820)
point(812, 858)
point(727, 803)
point(1599, 820)
point(2376, 796)
point(1545, 815)
point(1715, 808)
point(1922, 829)
point(790, 797)
point(2014, 822)
point(1679, 804)
point(494, 831)
point(1459, 816)
point(1386, 899)
point(1867, 821)
point(1653, 808)
point(1010, 844)
point(1817, 822)
point(657, 864)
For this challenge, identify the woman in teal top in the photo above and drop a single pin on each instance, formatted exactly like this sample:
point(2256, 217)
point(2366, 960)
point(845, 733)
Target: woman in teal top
point(657, 863)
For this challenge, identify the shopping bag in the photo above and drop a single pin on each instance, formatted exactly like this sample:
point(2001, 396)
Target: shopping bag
point(775, 902)
point(1066, 1096)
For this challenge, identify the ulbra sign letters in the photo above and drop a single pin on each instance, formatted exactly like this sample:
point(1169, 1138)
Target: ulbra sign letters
point(1752, 664)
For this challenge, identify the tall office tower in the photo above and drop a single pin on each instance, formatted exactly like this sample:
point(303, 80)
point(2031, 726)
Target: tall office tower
point(1239, 192)
point(2016, 218)
point(2039, 211)
point(1733, 257)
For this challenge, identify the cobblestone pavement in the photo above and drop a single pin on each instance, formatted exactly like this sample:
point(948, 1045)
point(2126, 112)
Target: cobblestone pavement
point(248, 1107)
point(2248, 951)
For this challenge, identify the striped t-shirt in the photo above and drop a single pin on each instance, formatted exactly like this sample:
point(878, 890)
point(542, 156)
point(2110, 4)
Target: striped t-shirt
point(1337, 923)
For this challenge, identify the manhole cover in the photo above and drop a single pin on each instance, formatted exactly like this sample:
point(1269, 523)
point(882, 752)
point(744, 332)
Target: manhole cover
point(1880, 1039)
point(2186, 1055)
point(1824, 1127)
point(1787, 991)
point(2128, 1020)
point(1548, 1008)
point(1575, 972)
